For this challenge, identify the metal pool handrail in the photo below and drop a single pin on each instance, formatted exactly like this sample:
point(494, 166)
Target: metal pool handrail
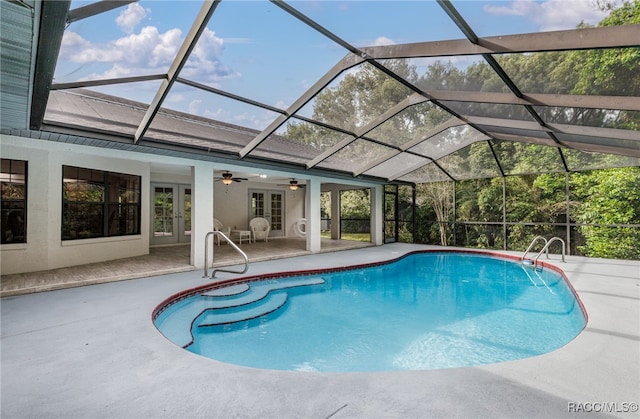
point(546, 247)
point(206, 253)
point(534, 262)
point(533, 242)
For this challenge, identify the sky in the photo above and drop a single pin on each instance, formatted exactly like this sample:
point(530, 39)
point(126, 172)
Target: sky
point(256, 50)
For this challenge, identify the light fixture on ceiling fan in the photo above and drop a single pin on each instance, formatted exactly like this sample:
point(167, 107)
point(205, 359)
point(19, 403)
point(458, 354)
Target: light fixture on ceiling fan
point(293, 184)
point(227, 178)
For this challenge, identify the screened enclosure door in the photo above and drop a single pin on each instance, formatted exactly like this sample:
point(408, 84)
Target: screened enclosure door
point(171, 223)
point(269, 205)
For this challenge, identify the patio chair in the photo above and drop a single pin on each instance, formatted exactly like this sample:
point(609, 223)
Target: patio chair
point(260, 228)
point(218, 226)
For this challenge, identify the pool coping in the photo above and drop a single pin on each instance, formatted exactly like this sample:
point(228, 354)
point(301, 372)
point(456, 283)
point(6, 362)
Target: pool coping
point(93, 352)
point(276, 275)
point(246, 280)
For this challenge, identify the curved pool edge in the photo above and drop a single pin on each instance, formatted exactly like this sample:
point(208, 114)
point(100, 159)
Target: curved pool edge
point(189, 292)
point(155, 378)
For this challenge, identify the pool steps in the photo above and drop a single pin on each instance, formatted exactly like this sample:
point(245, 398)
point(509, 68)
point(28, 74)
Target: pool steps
point(227, 291)
point(231, 304)
point(268, 304)
point(255, 293)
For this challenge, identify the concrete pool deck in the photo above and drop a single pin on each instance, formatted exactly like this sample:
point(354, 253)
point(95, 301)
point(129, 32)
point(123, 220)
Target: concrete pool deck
point(93, 352)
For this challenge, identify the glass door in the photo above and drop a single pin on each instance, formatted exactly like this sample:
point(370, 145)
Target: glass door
point(171, 222)
point(269, 205)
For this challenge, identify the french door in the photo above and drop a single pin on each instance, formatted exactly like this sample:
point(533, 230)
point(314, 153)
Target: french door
point(269, 205)
point(171, 218)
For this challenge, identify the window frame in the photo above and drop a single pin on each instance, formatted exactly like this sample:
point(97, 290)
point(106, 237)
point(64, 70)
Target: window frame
point(107, 204)
point(8, 206)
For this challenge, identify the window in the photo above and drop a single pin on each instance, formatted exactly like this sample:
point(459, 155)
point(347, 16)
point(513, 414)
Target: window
point(96, 203)
point(13, 177)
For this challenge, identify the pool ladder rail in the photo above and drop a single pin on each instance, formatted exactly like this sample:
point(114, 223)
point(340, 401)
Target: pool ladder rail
point(545, 249)
point(206, 254)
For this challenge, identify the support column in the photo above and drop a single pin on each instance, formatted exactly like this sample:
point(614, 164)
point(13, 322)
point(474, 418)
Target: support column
point(201, 211)
point(335, 213)
point(504, 213)
point(377, 215)
point(567, 191)
point(313, 215)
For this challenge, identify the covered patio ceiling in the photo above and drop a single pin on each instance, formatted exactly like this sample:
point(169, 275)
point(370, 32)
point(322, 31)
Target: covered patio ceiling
point(348, 88)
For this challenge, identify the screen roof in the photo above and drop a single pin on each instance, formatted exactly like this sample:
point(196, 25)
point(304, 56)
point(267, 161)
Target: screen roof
point(410, 91)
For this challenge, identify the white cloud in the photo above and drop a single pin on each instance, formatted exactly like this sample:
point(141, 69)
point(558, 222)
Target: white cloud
point(149, 48)
point(71, 44)
point(194, 106)
point(175, 97)
point(551, 15)
point(239, 41)
point(217, 114)
point(115, 72)
point(382, 41)
point(205, 59)
point(145, 50)
point(76, 49)
point(131, 17)
point(258, 121)
point(149, 52)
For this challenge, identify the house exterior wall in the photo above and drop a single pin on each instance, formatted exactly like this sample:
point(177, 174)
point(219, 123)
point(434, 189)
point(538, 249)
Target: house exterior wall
point(44, 249)
point(294, 209)
point(232, 204)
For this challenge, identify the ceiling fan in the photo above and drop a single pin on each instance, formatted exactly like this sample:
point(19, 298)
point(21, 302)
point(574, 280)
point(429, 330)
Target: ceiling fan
point(227, 178)
point(294, 185)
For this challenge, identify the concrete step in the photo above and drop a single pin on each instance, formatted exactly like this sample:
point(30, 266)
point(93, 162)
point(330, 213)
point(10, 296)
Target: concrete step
point(267, 305)
point(259, 291)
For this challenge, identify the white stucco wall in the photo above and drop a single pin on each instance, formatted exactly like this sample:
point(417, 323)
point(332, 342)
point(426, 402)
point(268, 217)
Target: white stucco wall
point(232, 204)
point(201, 212)
point(295, 209)
point(33, 255)
point(45, 250)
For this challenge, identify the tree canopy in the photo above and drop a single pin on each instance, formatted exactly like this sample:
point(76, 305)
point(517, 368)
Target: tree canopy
point(535, 174)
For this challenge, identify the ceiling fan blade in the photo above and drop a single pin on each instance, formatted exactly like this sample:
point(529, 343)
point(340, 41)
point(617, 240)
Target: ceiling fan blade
point(293, 183)
point(229, 176)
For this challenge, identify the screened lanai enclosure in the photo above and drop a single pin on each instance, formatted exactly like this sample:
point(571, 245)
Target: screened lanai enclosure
point(488, 122)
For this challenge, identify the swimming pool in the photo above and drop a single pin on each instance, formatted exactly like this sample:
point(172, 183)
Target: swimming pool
point(425, 310)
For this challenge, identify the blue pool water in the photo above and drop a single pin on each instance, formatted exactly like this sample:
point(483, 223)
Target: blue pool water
point(427, 310)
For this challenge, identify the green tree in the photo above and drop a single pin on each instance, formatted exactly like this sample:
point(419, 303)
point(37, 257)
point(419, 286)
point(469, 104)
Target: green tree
point(405, 214)
point(365, 92)
point(438, 196)
point(608, 197)
point(355, 210)
point(613, 71)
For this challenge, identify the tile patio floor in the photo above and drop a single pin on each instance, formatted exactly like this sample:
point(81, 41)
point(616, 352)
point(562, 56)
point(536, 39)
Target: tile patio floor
point(160, 261)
